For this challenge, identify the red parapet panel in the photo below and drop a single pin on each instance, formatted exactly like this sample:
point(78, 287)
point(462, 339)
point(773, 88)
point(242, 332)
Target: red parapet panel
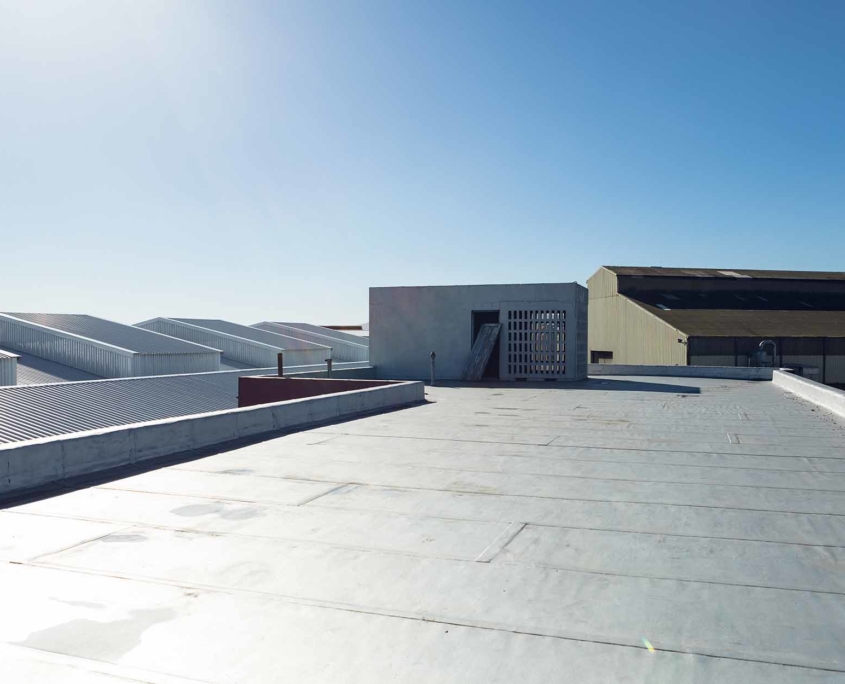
point(269, 389)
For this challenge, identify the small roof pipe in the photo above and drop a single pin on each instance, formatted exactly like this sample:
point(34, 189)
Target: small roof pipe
point(774, 349)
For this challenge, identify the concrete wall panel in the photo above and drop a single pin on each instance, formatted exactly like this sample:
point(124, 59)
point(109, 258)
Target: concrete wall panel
point(97, 452)
point(162, 437)
point(31, 464)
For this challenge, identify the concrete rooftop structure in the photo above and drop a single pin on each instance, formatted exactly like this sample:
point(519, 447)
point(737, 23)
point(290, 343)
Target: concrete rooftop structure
point(659, 530)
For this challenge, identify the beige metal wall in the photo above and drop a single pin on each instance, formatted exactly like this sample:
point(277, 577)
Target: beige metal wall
point(634, 335)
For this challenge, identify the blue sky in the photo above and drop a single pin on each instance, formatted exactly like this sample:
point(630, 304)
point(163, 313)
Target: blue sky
point(258, 160)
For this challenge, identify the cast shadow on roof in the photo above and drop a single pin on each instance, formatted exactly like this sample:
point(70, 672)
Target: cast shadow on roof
point(601, 384)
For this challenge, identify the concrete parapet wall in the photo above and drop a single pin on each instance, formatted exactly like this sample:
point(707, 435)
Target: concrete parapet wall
point(34, 463)
point(821, 395)
point(720, 372)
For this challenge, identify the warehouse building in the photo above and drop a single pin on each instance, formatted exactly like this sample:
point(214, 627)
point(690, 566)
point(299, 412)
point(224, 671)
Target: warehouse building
point(55, 346)
point(541, 334)
point(712, 317)
point(242, 346)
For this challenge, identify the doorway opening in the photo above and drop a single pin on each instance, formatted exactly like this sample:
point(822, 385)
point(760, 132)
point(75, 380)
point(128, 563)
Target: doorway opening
point(479, 318)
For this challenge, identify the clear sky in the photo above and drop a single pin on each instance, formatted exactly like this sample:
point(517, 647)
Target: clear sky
point(272, 160)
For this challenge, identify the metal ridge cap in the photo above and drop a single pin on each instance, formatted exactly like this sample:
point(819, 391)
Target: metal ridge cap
point(246, 339)
point(155, 332)
point(308, 332)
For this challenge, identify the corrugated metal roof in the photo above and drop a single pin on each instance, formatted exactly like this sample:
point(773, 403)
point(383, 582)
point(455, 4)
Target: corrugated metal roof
point(732, 273)
point(328, 335)
point(283, 342)
point(33, 411)
point(33, 370)
point(748, 322)
point(29, 412)
point(746, 300)
point(8, 355)
point(353, 336)
point(117, 334)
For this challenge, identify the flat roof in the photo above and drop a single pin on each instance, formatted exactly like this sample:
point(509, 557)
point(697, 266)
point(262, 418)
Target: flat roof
point(621, 529)
point(116, 334)
point(728, 273)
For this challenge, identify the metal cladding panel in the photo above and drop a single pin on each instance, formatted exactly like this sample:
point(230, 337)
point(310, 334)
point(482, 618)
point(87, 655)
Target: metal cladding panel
point(99, 357)
point(8, 369)
point(126, 337)
point(255, 354)
point(632, 333)
point(168, 364)
point(834, 363)
point(602, 283)
point(328, 332)
point(57, 346)
point(712, 351)
point(273, 338)
point(342, 350)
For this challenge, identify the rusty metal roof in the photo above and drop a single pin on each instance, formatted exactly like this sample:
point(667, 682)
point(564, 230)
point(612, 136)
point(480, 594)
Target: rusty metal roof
point(726, 273)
